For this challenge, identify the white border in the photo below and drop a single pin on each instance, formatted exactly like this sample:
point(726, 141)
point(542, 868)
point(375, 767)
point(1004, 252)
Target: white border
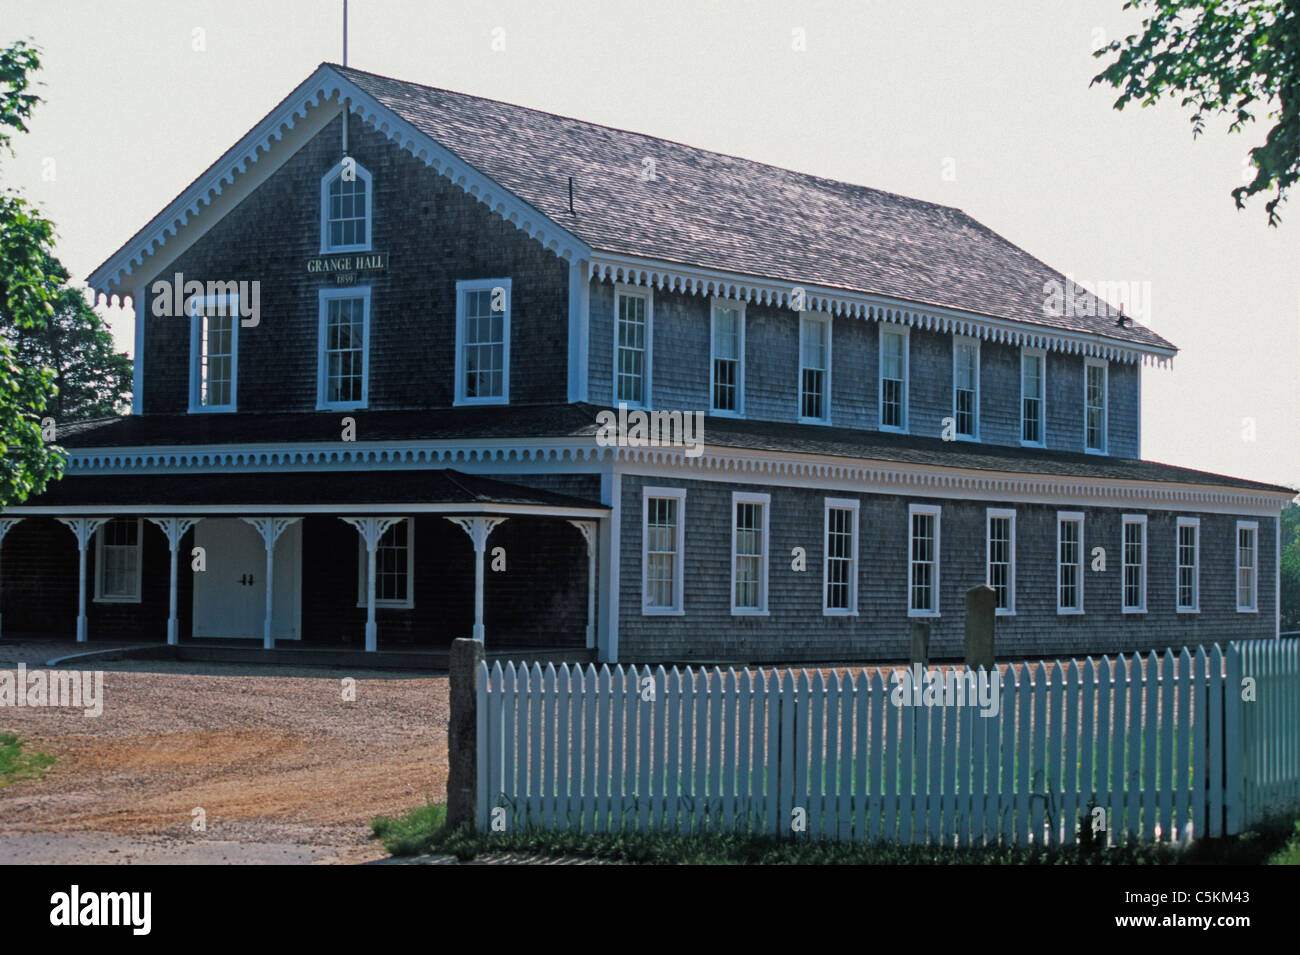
point(139, 565)
point(1253, 527)
point(1104, 365)
point(841, 504)
point(479, 285)
point(746, 497)
point(322, 384)
point(1079, 518)
point(204, 302)
point(1020, 416)
point(957, 341)
point(679, 605)
point(906, 334)
point(989, 514)
point(739, 307)
point(326, 180)
point(648, 295)
point(936, 511)
point(824, 320)
point(1125, 521)
point(1195, 605)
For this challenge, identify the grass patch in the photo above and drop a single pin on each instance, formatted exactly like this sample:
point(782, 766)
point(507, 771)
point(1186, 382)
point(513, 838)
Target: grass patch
point(423, 830)
point(16, 765)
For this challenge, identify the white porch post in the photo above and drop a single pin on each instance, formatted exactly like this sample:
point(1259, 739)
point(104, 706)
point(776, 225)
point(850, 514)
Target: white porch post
point(588, 529)
point(371, 530)
point(84, 529)
point(174, 528)
point(478, 529)
point(5, 524)
point(270, 528)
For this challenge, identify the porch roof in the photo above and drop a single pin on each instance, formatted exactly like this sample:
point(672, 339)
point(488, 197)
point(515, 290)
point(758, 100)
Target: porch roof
point(372, 492)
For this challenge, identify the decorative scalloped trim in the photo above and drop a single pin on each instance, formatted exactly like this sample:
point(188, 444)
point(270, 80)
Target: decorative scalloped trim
point(328, 86)
point(745, 467)
point(765, 292)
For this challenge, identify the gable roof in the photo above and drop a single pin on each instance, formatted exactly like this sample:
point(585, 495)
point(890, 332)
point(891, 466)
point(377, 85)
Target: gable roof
point(724, 219)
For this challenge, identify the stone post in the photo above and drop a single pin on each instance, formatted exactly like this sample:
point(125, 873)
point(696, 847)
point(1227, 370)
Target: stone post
point(981, 612)
point(920, 643)
point(462, 733)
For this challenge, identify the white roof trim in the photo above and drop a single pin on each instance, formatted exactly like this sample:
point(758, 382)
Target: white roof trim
point(701, 281)
point(327, 85)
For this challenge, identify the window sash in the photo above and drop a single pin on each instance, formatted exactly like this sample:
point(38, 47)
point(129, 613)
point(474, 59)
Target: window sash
point(345, 349)
point(1188, 572)
point(1031, 403)
point(119, 555)
point(216, 356)
point(1069, 576)
point(749, 568)
point(814, 349)
point(1134, 560)
point(727, 358)
point(663, 560)
point(1001, 560)
point(1095, 407)
point(841, 559)
point(966, 389)
point(632, 339)
point(1247, 568)
point(893, 379)
point(923, 562)
point(346, 213)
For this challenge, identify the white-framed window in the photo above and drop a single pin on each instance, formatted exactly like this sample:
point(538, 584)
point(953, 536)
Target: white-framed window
point(1133, 568)
point(1247, 566)
point(346, 203)
point(118, 550)
point(814, 368)
point(1033, 397)
point(923, 560)
point(895, 344)
point(727, 357)
point(1095, 374)
point(214, 352)
point(394, 567)
point(966, 387)
point(1187, 582)
point(749, 513)
point(343, 376)
point(1069, 562)
point(633, 340)
point(663, 547)
point(1000, 558)
point(840, 569)
point(483, 342)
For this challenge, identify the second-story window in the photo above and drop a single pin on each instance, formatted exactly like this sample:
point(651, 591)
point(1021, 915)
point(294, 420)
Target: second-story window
point(1033, 363)
point(633, 315)
point(893, 379)
point(814, 368)
point(966, 387)
point(483, 341)
point(728, 357)
point(345, 208)
point(214, 353)
point(344, 339)
point(1094, 420)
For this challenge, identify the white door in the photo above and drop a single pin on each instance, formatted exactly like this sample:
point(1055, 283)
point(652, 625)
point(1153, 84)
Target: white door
point(230, 595)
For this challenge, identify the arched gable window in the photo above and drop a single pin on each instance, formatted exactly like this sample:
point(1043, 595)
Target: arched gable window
point(346, 201)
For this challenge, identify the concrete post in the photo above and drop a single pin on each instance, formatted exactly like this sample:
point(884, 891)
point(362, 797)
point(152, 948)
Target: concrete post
point(981, 614)
point(462, 733)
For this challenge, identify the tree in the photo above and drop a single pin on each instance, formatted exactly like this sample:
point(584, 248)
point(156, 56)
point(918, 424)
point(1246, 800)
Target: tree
point(1234, 58)
point(93, 380)
point(1291, 568)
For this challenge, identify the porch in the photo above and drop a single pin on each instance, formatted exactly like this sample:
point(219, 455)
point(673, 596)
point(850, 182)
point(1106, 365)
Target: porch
point(397, 561)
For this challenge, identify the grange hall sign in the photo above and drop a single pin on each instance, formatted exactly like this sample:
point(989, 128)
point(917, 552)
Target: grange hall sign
point(346, 269)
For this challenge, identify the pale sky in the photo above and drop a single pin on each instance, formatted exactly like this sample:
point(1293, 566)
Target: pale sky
point(142, 96)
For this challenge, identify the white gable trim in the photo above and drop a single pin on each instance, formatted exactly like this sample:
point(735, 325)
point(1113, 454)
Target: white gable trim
point(295, 121)
point(701, 281)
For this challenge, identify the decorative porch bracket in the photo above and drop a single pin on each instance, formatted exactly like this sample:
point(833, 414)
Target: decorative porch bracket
point(478, 529)
point(174, 528)
point(83, 528)
point(270, 528)
point(371, 530)
point(5, 524)
point(588, 531)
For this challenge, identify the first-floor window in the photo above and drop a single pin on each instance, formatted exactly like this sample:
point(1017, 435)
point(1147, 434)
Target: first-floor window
point(1247, 566)
point(344, 325)
point(749, 553)
point(814, 368)
point(1069, 562)
point(841, 570)
point(483, 341)
point(1134, 564)
point(394, 567)
point(662, 543)
point(1188, 564)
point(923, 563)
point(214, 340)
point(117, 561)
point(1001, 558)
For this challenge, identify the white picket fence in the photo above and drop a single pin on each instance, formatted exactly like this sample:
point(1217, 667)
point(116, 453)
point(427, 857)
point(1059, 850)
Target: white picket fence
point(1163, 744)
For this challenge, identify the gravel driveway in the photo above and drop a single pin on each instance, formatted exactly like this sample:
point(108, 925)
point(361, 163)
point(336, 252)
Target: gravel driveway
point(282, 767)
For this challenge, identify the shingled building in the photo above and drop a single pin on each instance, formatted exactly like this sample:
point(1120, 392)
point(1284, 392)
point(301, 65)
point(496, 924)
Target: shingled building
point(374, 340)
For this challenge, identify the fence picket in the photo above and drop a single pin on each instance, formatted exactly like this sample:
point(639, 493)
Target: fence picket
point(1215, 730)
point(1167, 685)
point(1072, 729)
